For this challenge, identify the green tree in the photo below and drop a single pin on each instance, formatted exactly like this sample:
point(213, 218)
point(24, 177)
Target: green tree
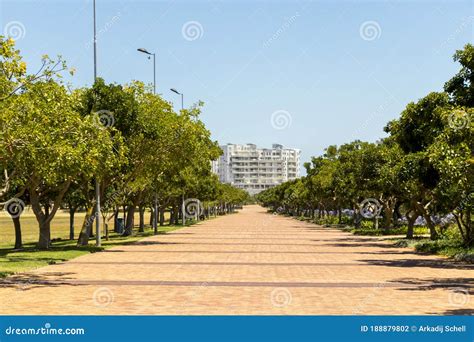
point(49, 145)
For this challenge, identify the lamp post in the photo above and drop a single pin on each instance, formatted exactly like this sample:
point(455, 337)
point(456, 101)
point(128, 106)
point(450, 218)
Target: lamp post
point(155, 205)
point(183, 209)
point(182, 97)
point(154, 65)
point(97, 185)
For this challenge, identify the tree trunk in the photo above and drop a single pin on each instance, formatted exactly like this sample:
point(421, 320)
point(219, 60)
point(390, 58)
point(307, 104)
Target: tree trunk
point(431, 226)
point(44, 239)
point(464, 223)
point(17, 225)
point(44, 218)
point(411, 223)
point(130, 220)
point(177, 215)
point(396, 213)
point(83, 239)
point(171, 220)
point(162, 216)
point(141, 212)
point(387, 218)
point(426, 215)
point(357, 217)
point(124, 214)
point(72, 211)
point(116, 216)
point(152, 216)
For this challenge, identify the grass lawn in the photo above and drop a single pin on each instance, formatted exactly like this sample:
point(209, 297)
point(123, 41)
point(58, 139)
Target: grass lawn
point(29, 257)
point(59, 226)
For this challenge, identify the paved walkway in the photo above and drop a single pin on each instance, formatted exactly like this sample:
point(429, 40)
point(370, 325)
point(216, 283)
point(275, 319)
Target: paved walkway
point(247, 263)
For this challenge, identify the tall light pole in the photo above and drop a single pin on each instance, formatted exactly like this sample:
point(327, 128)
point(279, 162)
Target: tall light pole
point(182, 97)
point(183, 209)
point(154, 65)
point(97, 185)
point(155, 209)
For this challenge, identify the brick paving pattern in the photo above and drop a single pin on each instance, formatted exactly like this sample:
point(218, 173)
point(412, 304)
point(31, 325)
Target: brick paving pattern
point(247, 263)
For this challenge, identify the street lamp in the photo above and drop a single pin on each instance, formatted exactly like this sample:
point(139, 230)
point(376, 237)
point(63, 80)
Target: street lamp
point(155, 214)
point(182, 97)
point(154, 65)
point(97, 186)
point(183, 209)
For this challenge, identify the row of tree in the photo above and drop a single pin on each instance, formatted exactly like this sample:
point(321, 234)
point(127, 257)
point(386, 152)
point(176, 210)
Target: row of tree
point(425, 167)
point(56, 142)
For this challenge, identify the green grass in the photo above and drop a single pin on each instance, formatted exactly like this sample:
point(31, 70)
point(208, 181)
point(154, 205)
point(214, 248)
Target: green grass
point(29, 226)
point(12, 261)
point(62, 249)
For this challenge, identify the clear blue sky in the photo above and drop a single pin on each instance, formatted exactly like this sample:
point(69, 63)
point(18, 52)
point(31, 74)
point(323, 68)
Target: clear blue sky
point(252, 58)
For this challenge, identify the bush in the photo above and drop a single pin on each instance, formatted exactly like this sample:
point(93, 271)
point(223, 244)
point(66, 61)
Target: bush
point(453, 248)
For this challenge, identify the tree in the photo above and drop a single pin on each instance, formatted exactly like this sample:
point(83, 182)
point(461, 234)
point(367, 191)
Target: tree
point(114, 110)
point(49, 145)
point(461, 86)
point(13, 75)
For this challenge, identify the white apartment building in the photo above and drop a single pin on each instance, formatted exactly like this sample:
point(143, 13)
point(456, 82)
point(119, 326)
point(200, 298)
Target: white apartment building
point(255, 169)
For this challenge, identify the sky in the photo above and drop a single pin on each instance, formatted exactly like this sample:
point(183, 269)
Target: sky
point(304, 74)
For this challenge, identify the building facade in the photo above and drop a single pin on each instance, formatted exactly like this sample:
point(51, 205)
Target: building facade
point(256, 169)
